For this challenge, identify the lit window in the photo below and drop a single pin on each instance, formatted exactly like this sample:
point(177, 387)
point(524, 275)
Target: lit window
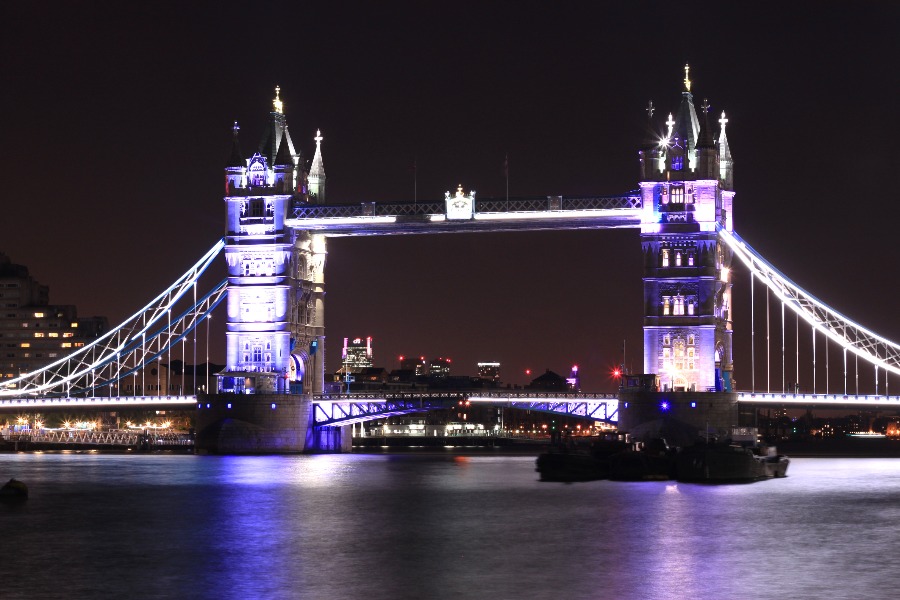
point(667, 352)
point(53, 334)
point(665, 258)
point(690, 352)
point(79, 344)
point(677, 193)
point(26, 345)
point(66, 345)
point(38, 334)
point(74, 324)
point(667, 341)
point(666, 306)
point(38, 315)
point(678, 305)
point(690, 308)
point(691, 340)
point(691, 259)
point(678, 259)
point(68, 334)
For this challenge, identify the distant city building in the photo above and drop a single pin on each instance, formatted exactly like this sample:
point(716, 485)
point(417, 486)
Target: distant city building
point(356, 355)
point(439, 367)
point(548, 382)
point(411, 363)
point(33, 332)
point(489, 370)
point(574, 381)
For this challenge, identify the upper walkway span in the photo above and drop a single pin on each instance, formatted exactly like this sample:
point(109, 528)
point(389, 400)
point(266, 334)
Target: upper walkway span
point(514, 214)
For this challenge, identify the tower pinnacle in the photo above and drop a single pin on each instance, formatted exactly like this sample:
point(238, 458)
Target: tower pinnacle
point(687, 79)
point(277, 103)
point(317, 172)
point(670, 124)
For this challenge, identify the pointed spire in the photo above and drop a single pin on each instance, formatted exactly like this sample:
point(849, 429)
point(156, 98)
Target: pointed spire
point(317, 167)
point(236, 159)
point(705, 139)
point(687, 125)
point(726, 163)
point(283, 156)
point(277, 104)
point(724, 150)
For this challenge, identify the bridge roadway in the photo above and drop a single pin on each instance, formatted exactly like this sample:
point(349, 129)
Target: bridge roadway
point(345, 409)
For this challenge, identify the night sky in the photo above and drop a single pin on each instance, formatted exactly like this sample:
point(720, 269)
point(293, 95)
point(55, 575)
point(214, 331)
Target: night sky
point(115, 125)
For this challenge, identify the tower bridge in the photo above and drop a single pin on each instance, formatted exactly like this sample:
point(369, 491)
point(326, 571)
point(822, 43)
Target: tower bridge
point(271, 394)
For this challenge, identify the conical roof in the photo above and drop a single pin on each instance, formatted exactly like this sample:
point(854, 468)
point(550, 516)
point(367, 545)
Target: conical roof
point(236, 159)
point(283, 156)
point(705, 138)
point(318, 167)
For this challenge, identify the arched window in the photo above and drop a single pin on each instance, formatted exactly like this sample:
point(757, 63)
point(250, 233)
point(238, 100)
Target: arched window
point(665, 258)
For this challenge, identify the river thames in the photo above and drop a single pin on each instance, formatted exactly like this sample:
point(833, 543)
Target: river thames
point(438, 526)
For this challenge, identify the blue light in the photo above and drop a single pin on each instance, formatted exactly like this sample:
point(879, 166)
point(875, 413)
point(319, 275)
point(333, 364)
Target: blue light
point(207, 406)
point(273, 406)
point(693, 405)
point(626, 405)
point(229, 405)
point(664, 406)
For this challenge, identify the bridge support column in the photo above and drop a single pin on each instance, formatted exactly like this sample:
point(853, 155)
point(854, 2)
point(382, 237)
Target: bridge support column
point(327, 440)
point(252, 423)
point(715, 412)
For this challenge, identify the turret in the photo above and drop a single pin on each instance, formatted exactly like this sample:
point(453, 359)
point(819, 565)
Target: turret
point(726, 164)
point(317, 173)
point(236, 166)
point(283, 168)
point(707, 153)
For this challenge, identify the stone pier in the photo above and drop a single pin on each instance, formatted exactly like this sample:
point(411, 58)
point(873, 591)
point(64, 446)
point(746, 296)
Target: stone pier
point(263, 424)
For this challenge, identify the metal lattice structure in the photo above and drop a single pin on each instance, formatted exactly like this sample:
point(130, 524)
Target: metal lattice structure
point(347, 409)
point(482, 206)
point(142, 338)
point(848, 334)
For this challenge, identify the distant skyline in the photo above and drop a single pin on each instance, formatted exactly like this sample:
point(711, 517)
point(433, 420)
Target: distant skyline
point(115, 125)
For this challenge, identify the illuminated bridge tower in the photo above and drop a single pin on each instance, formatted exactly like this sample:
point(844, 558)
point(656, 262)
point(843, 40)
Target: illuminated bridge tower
point(275, 319)
point(687, 192)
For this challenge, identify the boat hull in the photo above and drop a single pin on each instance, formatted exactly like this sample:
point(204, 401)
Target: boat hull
point(724, 464)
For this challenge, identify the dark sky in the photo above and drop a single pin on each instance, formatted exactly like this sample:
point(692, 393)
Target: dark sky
point(115, 124)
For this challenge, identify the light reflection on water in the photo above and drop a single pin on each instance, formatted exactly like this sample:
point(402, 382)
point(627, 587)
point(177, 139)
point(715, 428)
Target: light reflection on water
point(437, 526)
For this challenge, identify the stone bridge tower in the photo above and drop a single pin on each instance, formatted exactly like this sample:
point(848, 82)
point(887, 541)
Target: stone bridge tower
point(275, 334)
point(687, 192)
point(275, 325)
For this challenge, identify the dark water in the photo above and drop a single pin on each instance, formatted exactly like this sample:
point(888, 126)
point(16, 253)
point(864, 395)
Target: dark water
point(438, 526)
